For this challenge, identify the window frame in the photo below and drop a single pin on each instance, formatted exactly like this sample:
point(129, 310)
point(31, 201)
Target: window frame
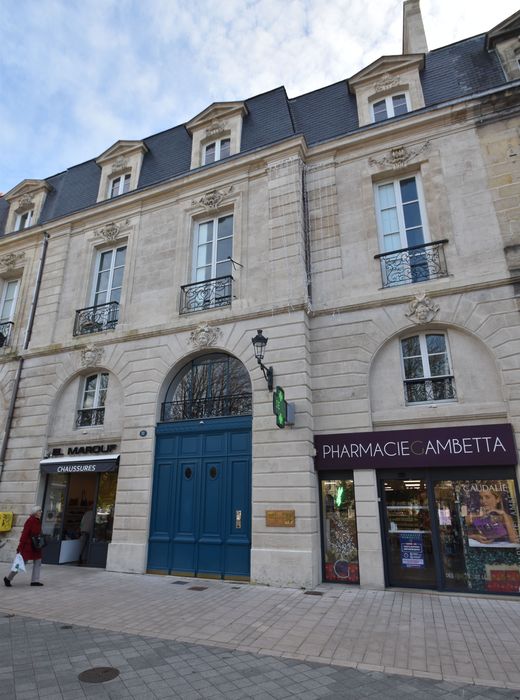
point(196, 245)
point(122, 179)
point(389, 106)
point(97, 272)
point(218, 150)
point(97, 404)
point(400, 211)
point(3, 296)
point(29, 213)
point(425, 363)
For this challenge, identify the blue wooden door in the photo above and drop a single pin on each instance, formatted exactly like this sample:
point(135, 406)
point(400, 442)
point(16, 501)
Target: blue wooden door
point(201, 503)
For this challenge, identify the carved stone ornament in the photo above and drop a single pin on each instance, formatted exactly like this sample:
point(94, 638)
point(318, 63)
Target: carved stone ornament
point(25, 202)
point(386, 81)
point(399, 156)
point(91, 356)
point(119, 165)
point(11, 261)
point(213, 199)
point(109, 233)
point(204, 336)
point(422, 309)
point(216, 127)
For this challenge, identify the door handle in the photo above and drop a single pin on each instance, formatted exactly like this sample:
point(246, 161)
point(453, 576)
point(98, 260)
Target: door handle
point(238, 519)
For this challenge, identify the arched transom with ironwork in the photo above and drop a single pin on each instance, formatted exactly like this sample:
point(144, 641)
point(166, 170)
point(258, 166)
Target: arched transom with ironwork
point(211, 386)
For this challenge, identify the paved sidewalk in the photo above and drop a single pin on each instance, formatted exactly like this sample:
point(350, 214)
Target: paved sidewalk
point(459, 639)
point(42, 660)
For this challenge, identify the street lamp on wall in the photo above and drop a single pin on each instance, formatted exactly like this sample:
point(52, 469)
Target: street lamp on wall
point(259, 343)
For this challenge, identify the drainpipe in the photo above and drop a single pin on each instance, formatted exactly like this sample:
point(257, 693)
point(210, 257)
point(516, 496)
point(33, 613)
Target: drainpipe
point(28, 333)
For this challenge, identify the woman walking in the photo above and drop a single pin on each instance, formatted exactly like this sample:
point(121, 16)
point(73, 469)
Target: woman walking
point(31, 529)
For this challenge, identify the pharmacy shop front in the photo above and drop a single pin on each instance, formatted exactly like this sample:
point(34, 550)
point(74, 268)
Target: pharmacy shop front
point(448, 506)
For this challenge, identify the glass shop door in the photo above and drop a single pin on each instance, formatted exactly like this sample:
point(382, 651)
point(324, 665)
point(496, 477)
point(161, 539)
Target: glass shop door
point(408, 533)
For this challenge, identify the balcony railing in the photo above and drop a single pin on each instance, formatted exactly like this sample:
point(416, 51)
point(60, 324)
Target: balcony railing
point(5, 333)
point(237, 405)
point(438, 389)
point(90, 416)
point(418, 263)
point(209, 294)
point(94, 319)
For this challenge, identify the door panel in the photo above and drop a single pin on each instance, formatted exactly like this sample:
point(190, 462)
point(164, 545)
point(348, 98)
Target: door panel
point(205, 501)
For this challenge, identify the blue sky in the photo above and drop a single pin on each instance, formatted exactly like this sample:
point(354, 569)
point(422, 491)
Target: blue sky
point(77, 75)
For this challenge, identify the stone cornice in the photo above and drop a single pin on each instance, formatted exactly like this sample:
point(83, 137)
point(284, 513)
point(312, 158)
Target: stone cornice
point(110, 338)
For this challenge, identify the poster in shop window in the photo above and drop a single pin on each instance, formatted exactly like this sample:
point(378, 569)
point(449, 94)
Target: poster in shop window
point(412, 550)
point(490, 513)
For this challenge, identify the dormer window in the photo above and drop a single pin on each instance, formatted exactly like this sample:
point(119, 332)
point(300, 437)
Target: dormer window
point(119, 185)
point(23, 220)
point(391, 106)
point(217, 150)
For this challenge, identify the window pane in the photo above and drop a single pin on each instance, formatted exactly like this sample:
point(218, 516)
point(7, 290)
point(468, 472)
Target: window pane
point(435, 343)
point(203, 273)
point(411, 346)
point(379, 111)
point(204, 254)
point(413, 368)
point(412, 215)
point(224, 148)
point(223, 269)
point(205, 232)
point(224, 249)
point(386, 196)
point(104, 380)
point(415, 236)
point(115, 294)
point(117, 279)
point(438, 365)
point(126, 183)
point(105, 260)
point(408, 190)
point(102, 282)
point(225, 226)
point(415, 392)
point(209, 153)
point(389, 221)
point(115, 187)
point(120, 257)
point(399, 104)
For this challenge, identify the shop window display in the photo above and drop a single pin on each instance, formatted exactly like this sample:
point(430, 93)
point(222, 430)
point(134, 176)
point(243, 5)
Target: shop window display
point(479, 531)
point(339, 531)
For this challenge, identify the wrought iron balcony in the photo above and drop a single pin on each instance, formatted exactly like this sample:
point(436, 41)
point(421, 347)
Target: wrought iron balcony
point(5, 333)
point(94, 319)
point(418, 263)
point(217, 407)
point(438, 389)
point(90, 416)
point(209, 294)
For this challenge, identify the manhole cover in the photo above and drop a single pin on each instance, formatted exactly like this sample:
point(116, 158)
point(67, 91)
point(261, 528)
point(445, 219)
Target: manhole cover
point(180, 583)
point(101, 674)
point(66, 627)
point(313, 593)
point(197, 588)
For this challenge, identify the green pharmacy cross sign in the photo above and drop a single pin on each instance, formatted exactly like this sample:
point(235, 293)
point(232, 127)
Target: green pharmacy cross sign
point(280, 407)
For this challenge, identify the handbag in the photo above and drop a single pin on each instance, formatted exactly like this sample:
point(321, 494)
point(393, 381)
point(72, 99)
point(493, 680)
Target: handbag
point(38, 541)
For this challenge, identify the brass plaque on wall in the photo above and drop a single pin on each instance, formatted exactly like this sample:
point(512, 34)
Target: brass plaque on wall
point(280, 518)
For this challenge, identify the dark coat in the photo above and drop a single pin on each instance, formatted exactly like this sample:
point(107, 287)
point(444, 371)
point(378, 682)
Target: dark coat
point(32, 527)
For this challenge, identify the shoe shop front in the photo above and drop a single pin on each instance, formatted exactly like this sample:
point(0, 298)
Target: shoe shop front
point(78, 508)
point(448, 506)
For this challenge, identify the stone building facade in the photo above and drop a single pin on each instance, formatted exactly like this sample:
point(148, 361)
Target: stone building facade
point(371, 229)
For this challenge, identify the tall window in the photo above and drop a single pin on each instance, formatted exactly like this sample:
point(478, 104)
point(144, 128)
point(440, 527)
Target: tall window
point(108, 280)
point(92, 411)
point(400, 219)
point(119, 185)
point(426, 368)
point(217, 150)
point(23, 220)
point(8, 300)
point(213, 248)
point(390, 106)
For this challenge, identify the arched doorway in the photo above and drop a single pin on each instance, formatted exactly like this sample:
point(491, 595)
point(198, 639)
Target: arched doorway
point(201, 503)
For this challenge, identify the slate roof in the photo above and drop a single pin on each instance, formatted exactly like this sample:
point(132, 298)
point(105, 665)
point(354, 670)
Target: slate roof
point(451, 72)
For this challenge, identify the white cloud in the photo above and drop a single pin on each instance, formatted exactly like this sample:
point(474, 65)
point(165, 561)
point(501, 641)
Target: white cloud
point(78, 76)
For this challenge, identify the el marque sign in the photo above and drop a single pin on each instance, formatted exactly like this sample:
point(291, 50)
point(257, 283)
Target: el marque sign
point(84, 450)
point(469, 446)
